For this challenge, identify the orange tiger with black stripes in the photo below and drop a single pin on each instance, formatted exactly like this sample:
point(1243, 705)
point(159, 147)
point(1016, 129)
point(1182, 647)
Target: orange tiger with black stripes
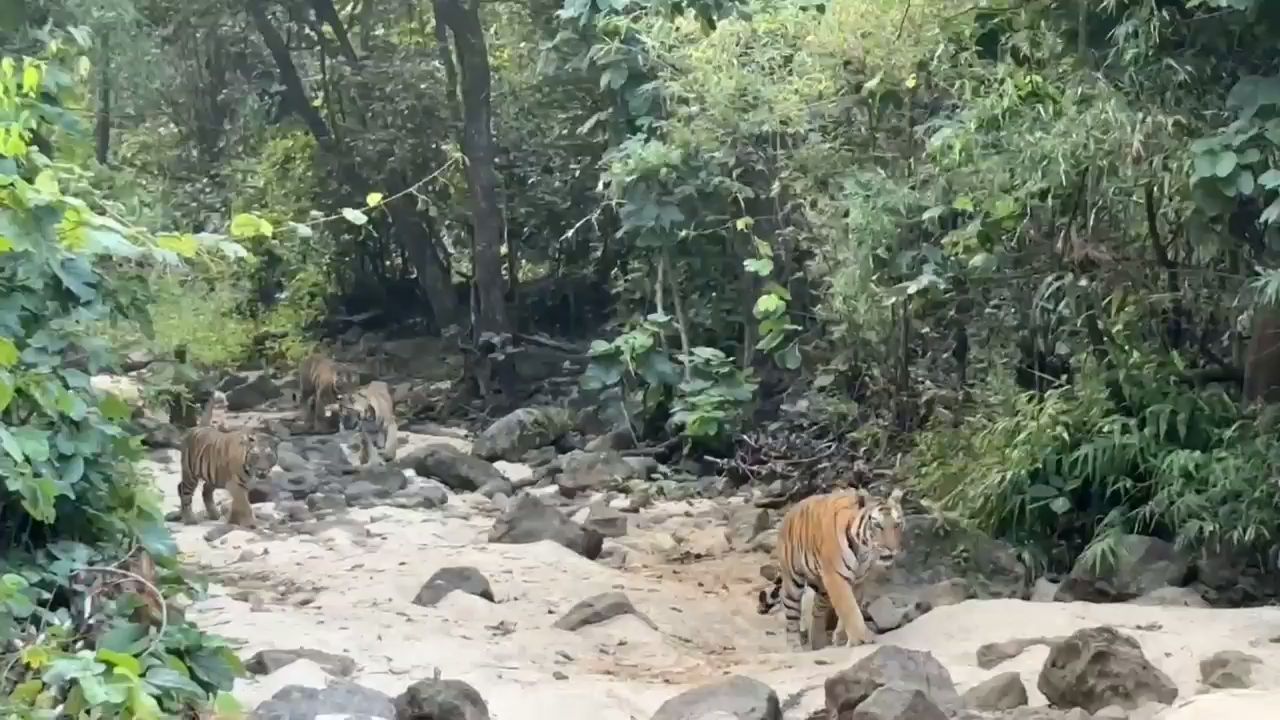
point(221, 458)
point(322, 380)
point(833, 543)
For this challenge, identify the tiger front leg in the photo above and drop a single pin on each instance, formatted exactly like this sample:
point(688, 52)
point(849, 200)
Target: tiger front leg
point(241, 509)
point(186, 494)
point(850, 624)
point(210, 507)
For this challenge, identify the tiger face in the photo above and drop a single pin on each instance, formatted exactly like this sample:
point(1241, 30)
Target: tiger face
point(260, 456)
point(884, 529)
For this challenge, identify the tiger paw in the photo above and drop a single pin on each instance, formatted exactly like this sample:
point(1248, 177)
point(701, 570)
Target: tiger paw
point(854, 641)
point(188, 519)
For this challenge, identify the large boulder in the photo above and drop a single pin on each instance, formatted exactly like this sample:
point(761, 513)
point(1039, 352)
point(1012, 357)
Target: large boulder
point(252, 394)
point(990, 568)
point(582, 471)
point(527, 519)
point(445, 580)
point(737, 696)
point(1100, 666)
point(1142, 565)
point(896, 667)
point(894, 703)
point(298, 702)
point(436, 699)
point(517, 432)
point(458, 470)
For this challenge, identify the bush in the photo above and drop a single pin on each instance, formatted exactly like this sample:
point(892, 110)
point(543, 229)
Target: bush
point(1070, 471)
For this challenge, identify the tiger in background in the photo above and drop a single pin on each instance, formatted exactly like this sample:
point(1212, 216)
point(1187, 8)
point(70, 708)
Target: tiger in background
point(833, 543)
point(321, 380)
point(370, 414)
point(224, 459)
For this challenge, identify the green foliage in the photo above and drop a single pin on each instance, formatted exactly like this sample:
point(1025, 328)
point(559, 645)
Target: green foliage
point(1071, 470)
point(71, 500)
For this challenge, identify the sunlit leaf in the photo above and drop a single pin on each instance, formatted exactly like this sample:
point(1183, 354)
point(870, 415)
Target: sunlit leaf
point(355, 217)
point(373, 199)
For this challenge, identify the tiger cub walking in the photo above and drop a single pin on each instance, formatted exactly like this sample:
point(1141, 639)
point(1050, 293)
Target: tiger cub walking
point(370, 413)
point(833, 543)
point(321, 381)
point(222, 459)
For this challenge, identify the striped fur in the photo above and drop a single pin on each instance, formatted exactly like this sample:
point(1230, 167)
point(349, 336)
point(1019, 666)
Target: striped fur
point(833, 543)
point(371, 414)
point(224, 459)
point(321, 381)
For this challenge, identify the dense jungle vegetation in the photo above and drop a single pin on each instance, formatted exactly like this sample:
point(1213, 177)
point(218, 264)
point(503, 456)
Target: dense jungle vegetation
point(1025, 247)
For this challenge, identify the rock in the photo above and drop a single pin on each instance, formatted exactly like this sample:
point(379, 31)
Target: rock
point(363, 493)
point(992, 654)
point(616, 439)
point(1233, 704)
point(446, 580)
point(157, 433)
point(1143, 564)
point(894, 607)
point(1228, 670)
point(520, 431)
point(457, 470)
point(738, 696)
point(582, 471)
point(293, 510)
point(497, 487)
point(599, 608)
point(320, 502)
point(745, 525)
point(705, 543)
point(605, 520)
point(1044, 590)
point(991, 568)
point(289, 459)
point(265, 662)
point(388, 479)
point(252, 394)
point(643, 467)
point(298, 486)
point(295, 702)
point(894, 703)
point(1041, 713)
point(424, 495)
point(1001, 692)
point(1172, 597)
point(895, 667)
point(1100, 666)
point(527, 519)
point(437, 699)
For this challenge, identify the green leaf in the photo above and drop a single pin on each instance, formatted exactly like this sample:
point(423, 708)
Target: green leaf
point(1060, 505)
point(227, 707)
point(118, 659)
point(8, 353)
point(124, 638)
point(963, 203)
point(113, 408)
point(790, 358)
point(1225, 163)
point(1271, 214)
point(302, 231)
point(934, 212)
point(373, 199)
point(1270, 179)
point(767, 305)
point(759, 266)
point(11, 446)
point(983, 262)
point(6, 390)
point(168, 679)
point(355, 217)
point(1245, 182)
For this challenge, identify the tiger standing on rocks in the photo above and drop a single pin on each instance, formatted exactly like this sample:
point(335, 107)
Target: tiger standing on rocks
point(224, 459)
point(833, 543)
point(370, 413)
point(321, 380)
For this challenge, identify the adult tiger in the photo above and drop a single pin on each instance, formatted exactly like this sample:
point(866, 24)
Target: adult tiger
point(833, 543)
point(222, 459)
point(370, 413)
point(321, 381)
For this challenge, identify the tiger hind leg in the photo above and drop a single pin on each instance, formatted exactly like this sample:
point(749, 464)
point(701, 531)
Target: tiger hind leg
point(186, 494)
point(210, 507)
point(792, 594)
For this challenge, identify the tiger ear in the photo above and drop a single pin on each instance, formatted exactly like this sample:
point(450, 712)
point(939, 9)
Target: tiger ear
point(864, 497)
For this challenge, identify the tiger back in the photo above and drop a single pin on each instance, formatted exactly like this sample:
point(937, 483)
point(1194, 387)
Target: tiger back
point(322, 380)
point(833, 543)
point(369, 413)
point(226, 459)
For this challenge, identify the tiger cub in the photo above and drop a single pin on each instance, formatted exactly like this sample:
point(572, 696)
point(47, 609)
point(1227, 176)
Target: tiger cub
point(224, 459)
point(321, 380)
point(370, 414)
point(833, 543)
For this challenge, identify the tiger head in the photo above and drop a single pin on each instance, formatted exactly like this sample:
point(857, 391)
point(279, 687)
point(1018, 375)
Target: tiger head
point(345, 379)
point(261, 454)
point(884, 527)
point(355, 412)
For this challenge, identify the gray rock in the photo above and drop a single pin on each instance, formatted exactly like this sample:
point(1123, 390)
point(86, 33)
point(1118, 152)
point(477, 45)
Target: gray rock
point(295, 485)
point(1172, 597)
point(1143, 565)
point(321, 502)
point(582, 471)
point(527, 519)
point(1100, 666)
point(296, 702)
point(445, 580)
point(1228, 670)
point(894, 667)
point(599, 608)
point(363, 493)
point(436, 699)
point(605, 520)
point(991, 568)
point(1001, 692)
point(739, 696)
point(290, 460)
point(746, 524)
point(643, 467)
point(992, 654)
point(616, 439)
point(265, 662)
point(895, 703)
point(457, 470)
point(388, 479)
point(251, 394)
point(520, 431)
point(423, 495)
point(497, 487)
point(293, 510)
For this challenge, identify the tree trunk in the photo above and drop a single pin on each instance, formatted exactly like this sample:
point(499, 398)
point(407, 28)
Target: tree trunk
point(295, 92)
point(102, 117)
point(478, 147)
point(1262, 358)
point(433, 277)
